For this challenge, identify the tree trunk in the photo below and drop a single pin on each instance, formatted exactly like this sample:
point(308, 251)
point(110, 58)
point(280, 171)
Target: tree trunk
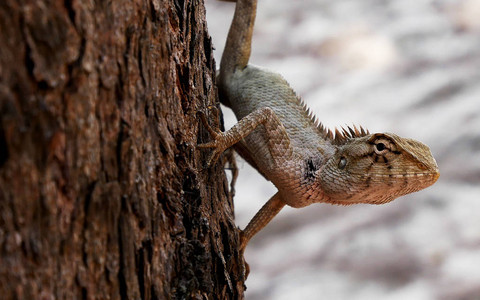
point(102, 190)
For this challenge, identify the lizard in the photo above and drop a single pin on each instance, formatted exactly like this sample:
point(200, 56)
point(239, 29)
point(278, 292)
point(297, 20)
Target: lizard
point(279, 136)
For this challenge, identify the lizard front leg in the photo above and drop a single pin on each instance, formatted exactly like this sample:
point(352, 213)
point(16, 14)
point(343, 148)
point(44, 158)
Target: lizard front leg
point(279, 147)
point(278, 141)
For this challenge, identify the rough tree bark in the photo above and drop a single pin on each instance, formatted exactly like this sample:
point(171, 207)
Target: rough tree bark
point(102, 192)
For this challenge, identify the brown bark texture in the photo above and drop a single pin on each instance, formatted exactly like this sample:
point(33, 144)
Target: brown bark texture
point(103, 194)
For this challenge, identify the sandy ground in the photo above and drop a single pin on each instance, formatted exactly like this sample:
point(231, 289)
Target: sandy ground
point(409, 67)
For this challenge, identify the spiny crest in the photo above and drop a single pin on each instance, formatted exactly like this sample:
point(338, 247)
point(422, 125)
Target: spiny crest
point(348, 133)
point(337, 137)
point(309, 114)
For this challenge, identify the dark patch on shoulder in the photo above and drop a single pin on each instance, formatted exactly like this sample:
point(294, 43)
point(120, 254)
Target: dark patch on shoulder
point(311, 167)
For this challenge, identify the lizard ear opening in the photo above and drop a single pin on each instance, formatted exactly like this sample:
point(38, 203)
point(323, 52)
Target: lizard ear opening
point(342, 163)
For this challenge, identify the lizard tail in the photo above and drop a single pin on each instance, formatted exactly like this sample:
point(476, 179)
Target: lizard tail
point(239, 40)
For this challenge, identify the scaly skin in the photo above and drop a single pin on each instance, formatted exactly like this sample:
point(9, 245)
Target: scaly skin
point(307, 163)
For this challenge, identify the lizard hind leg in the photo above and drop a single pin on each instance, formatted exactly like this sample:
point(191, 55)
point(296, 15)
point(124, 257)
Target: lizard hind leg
point(261, 219)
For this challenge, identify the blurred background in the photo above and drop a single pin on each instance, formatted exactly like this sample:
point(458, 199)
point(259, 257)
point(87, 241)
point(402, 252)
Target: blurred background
point(408, 67)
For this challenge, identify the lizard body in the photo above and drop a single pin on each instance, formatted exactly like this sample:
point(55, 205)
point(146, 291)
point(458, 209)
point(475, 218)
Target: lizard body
point(308, 163)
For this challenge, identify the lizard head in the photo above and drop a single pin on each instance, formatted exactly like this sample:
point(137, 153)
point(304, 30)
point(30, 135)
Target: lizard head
point(377, 168)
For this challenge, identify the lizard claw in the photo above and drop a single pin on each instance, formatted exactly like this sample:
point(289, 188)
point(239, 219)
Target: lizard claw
point(216, 144)
point(210, 130)
point(243, 243)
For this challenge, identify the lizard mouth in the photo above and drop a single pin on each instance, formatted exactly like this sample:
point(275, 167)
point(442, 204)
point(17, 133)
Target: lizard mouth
point(435, 175)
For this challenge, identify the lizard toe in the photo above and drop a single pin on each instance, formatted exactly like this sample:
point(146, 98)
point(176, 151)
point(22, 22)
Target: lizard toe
point(207, 145)
point(213, 133)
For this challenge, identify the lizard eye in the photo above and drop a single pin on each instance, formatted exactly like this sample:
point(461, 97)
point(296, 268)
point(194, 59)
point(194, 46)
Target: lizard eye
point(380, 148)
point(342, 163)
